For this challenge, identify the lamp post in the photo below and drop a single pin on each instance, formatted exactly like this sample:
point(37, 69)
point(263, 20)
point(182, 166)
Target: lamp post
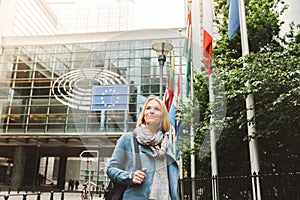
point(89, 167)
point(162, 50)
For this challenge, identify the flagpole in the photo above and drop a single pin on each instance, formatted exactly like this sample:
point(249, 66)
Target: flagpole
point(207, 7)
point(253, 147)
point(213, 147)
point(180, 61)
point(174, 97)
point(180, 99)
point(193, 169)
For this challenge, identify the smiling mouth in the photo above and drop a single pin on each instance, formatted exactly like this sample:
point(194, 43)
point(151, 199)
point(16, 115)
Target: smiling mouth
point(151, 117)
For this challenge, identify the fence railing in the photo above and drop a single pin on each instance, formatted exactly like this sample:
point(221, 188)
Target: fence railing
point(281, 186)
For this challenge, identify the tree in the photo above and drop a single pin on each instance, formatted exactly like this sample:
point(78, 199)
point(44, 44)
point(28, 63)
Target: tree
point(272, 69)
point(275, 87)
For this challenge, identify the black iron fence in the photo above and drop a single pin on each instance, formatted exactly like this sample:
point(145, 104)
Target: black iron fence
point(277, 186)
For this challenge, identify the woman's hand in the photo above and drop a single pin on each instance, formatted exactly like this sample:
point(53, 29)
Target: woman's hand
point(139, 176)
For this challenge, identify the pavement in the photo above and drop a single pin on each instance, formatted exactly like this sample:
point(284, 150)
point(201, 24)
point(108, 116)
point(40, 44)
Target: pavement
point(45, 196)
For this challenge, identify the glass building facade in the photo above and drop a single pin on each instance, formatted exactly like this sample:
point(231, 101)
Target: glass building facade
point(19, 18)
point(83, 16)
point(49, 88)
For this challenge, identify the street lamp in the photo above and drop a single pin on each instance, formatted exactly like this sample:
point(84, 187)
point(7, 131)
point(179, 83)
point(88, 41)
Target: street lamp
point(89, 166)
point(162, 50)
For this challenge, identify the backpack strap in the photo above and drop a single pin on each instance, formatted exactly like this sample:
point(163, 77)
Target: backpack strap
point(137, 153)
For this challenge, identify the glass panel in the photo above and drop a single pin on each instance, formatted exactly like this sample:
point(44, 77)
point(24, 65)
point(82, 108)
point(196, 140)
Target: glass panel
point(38, 115)
point(57, 117)
point(18, 114)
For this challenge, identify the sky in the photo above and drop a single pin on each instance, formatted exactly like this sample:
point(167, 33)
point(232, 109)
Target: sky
point(159, 14)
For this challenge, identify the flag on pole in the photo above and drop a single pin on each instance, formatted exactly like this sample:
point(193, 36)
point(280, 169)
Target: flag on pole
point(187, 49)
point(237, 20)
point(169, 93)
point(173, 106)
point(233, 18)
point(178, 84)
point(178, 129)
point(172, 113)
point(208, 33)
point(172, 73)
point(113, 97)
point(175, 120)
point(168, 96)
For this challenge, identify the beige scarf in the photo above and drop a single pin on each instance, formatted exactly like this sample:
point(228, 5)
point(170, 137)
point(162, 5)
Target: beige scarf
point(157, 142)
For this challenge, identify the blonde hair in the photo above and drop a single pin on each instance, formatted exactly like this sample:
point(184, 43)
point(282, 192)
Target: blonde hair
point(165, 121)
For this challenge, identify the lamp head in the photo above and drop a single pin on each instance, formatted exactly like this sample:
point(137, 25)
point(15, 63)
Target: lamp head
point(162, 50)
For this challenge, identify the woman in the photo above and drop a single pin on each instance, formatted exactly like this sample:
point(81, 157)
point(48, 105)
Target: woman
point(158, 178)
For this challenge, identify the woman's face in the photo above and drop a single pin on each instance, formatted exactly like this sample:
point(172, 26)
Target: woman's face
point(153, 114)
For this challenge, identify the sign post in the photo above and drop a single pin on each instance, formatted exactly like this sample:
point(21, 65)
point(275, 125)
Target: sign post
point(89, 164)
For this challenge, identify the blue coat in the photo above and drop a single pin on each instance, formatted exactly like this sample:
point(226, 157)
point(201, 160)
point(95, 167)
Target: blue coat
point(123, 165)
